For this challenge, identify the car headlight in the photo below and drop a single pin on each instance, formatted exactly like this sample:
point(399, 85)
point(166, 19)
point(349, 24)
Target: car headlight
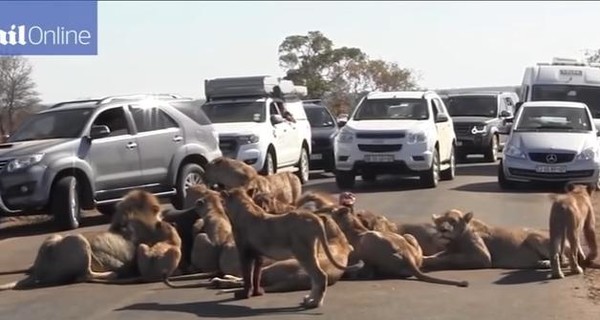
point(24, 162)
point(479, 129)
point(416, 137)
point(587, 154)
point(514, 152)
point(345, 137)
point(248, 139)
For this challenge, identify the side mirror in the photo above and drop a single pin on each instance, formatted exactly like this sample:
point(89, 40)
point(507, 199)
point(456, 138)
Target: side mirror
point(341, 123)
point(441, 117)
point(276, 119)
point(98, 132)
point(518, 105)
point(505, 130)
point(505, 114)
point(597, 133)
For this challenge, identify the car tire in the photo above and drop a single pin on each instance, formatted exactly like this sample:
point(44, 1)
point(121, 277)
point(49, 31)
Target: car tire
point(107, 209)
point(504, 183)
point(303, 166)
point(190, 174)
point(345, 179)
point(491, 154)
point(450, 173)
point(269, 167)
point(369, 177)
point(65, 204)
point(431, 178)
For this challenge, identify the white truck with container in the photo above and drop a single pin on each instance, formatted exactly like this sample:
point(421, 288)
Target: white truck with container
point(261, 121)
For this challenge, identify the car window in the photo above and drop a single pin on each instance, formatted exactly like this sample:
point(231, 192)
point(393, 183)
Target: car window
point(319, 117)
point(435, 107)
point(151, 118)
point(392, 109)
point(193, 110)
point(553, 119)
point(115, 120)
point(52, 125)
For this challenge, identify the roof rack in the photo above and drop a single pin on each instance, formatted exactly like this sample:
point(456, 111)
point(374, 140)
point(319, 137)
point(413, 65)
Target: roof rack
point(165, 96)
point(60, 104)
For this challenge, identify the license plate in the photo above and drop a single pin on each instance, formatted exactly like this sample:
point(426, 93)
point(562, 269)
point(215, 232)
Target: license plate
point(316, 156)
point(379, 158)
point(459, 143)
point(551, 169)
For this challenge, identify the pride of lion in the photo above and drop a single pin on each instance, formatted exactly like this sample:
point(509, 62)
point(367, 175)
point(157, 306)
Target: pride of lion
point(249, 234)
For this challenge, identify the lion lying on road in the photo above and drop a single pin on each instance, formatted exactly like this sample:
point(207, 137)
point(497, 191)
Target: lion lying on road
point(387, 253)
point(571, 215)
point(471, 244)
point(294, 234)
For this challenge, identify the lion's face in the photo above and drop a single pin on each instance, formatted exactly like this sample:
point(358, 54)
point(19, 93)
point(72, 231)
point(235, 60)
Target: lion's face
point(451, 224)
point(580, 188)
point(347, 199)
point(345, 219)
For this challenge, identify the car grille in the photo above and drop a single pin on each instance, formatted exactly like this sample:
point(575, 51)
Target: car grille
point(3, 164)
point(463, 128)
point(551, 176)
point(542, 157)
point(228, 147)
point(381, 135)
point(379, 147)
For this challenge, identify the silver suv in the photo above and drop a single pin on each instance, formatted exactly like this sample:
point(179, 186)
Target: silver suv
point(88, 154)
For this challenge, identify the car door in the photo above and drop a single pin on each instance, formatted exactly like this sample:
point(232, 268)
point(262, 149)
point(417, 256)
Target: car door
point(506, 104)
point(444, 129)
point(283, 137)
point(115, 159)
point(159, 136)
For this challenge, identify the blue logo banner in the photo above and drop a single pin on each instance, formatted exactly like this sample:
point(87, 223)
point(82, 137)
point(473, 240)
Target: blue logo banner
point(49, 27)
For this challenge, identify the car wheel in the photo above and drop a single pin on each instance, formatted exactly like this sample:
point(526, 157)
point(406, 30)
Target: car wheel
point(369, 177)
point(492, 153)
point(269, 167)
point(303, 166)
point(65, 206)
point(502, 181)
point(190, 175)
point(345, 179)
point(107, 209)
point(450, 173)
point(431, 178)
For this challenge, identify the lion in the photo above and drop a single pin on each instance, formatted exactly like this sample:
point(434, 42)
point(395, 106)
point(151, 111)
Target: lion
point(93, 255)
point(571, 215)
point(315, 201)
point(472, 244)
point(139, 204)
point(285, 186)
point(388, 254)
point(229, 173)
point(293, 234)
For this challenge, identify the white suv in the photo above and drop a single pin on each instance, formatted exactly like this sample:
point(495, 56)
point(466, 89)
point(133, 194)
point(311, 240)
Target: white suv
point(407, 133)
point(252, 117)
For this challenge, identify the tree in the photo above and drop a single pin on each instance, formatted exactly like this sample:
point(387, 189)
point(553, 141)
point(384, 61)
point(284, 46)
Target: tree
point(338, 75)
point(592, 56)
point(17, 90)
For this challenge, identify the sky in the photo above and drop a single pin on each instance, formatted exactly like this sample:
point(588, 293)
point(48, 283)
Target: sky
point(174, 46)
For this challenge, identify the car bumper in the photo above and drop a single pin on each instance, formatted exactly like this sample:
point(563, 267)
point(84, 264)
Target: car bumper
point(253, 154)
point(322, 159)
point(410, 158)
point(23, 191)
point(473, 143)
point(525, 170)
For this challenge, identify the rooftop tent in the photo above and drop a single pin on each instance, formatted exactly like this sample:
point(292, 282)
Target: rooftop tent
point(254, 86)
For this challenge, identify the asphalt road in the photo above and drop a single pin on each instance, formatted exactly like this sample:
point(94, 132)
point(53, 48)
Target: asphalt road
point(493, 294)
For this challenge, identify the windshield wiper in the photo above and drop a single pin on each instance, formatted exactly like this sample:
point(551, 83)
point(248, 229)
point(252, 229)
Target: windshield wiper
point(555, 127)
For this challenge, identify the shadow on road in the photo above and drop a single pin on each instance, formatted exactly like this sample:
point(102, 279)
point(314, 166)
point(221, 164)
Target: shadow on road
point(485, 170)
point(25, 229)
point(383, 184)
point(524, 276)
point(494, 187)
point(215, 309)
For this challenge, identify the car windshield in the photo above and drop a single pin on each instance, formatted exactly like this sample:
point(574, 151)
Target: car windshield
point(553, 119)
point(52, 125)
point(585, 94)
point(474, 106)
point(319, 117)
point(392, 109)
point(235, 111)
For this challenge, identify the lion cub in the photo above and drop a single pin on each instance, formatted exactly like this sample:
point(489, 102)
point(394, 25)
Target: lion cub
point(160, 260)
point(572, 214)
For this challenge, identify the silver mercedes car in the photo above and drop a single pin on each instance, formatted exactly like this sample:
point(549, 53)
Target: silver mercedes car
point(550, 141)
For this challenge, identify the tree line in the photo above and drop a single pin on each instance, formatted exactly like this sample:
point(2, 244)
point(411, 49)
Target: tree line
point(337, 75)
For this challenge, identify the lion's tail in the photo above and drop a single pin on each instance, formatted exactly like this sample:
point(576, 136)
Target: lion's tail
point(423, 277)
point(25, 271)
point(27, 283)
point(168, 283)
point(323, 239)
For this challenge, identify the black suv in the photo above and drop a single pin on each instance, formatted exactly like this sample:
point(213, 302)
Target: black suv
point(323, 129)
point(88, 154)
point(477, 116)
